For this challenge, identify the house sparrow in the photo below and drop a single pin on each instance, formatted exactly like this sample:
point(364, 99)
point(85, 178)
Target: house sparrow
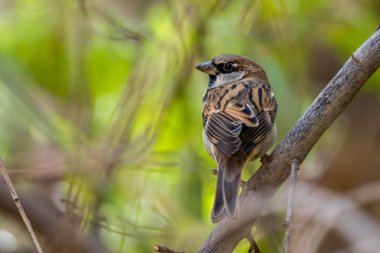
point(239, 111)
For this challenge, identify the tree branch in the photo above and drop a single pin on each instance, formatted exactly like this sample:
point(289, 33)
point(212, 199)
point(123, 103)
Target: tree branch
point(297, 144)
point(17, 202)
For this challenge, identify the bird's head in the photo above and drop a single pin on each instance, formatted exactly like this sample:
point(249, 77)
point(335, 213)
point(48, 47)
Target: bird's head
point(229, 68)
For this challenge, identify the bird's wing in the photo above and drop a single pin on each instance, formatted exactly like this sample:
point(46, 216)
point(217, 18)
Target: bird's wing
point(251, 136)
point(266, 105)
point(223, 128)
point(261, 96)
point(223, 131)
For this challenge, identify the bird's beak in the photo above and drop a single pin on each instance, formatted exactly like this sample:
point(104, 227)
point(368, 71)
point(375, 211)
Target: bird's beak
point(207, 67)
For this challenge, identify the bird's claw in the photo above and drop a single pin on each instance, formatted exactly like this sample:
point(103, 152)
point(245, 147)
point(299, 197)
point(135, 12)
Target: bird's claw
point(265, 159)
point(243, 183)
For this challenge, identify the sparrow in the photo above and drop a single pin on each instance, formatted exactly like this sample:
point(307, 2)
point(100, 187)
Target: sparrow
point(239, 112)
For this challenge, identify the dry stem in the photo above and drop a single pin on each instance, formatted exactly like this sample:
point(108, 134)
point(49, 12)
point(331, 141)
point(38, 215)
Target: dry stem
point(17, 202)
point(289, 211)
point(164, 249)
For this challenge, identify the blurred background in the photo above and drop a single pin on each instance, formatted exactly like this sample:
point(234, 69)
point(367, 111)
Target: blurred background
point(100, 120)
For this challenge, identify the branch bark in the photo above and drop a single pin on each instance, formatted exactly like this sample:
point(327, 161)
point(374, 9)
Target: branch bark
point(333, 99)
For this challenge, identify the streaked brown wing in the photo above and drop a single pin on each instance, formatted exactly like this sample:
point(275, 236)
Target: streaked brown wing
point(252, 136)
point(223, 131)
point(224, 128)
point(270, 104)
point(261, 96)
point(244, 113)
point(266, 104)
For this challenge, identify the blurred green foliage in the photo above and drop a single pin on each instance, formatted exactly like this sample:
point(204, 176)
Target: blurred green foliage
point(109, 87)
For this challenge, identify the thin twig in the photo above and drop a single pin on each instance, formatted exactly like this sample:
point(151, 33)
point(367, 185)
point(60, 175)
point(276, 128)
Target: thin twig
point(289, 211)
point(164, 249)
point(253, 244)
point(17, 202)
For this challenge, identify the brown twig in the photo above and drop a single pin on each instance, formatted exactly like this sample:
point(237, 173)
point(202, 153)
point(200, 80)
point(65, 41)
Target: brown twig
point(298, 143)
point(289, 211)
point(164, 249)
point(17, 202)
point(253, 244)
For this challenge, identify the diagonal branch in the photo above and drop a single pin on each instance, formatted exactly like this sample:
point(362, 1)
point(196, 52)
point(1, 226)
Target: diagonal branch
point(297, 144)
point(17, 202)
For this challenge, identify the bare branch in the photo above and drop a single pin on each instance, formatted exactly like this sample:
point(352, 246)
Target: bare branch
point(297, 144)
point(17, 202)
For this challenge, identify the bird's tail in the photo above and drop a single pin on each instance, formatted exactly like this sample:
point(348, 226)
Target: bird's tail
point(227, 190)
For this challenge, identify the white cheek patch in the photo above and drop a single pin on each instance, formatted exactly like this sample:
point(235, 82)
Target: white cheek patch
point(227, 78)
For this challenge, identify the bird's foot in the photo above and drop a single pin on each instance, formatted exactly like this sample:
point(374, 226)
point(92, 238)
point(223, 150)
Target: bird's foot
point(265, 159)
point(242, 183)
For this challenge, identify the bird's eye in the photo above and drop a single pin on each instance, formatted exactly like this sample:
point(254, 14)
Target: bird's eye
point(228, 67)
